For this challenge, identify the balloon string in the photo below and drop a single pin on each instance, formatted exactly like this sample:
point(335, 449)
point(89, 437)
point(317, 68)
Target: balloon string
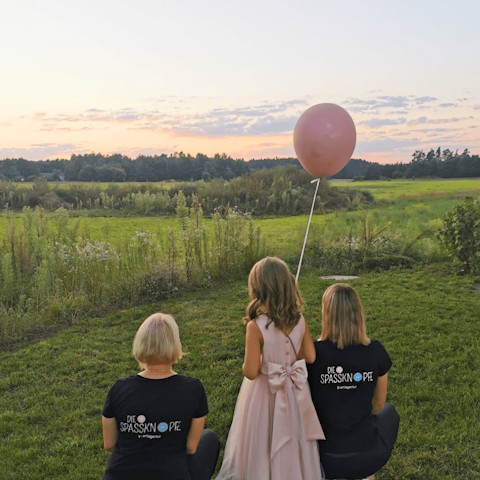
point(308, 227)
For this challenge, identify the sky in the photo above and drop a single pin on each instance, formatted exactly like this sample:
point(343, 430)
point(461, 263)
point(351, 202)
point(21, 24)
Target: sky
point(146, 77)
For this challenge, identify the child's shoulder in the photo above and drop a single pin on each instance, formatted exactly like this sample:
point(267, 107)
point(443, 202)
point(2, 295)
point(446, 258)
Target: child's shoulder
point(261, 320)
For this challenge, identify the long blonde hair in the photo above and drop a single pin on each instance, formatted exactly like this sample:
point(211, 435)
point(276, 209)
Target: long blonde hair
point(273, 291)
point(343, 318)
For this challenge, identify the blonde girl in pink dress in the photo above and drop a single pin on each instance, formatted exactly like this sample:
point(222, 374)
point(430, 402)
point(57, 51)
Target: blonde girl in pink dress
point(275, 428)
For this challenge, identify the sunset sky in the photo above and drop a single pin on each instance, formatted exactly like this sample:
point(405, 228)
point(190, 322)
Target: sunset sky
point(217, 76)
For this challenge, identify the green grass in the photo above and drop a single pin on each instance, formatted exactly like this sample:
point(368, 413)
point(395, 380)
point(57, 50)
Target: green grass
point(52, 391)
point(415, 189)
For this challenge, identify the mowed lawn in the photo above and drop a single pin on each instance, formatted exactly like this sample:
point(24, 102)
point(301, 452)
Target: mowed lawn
point(52, 391)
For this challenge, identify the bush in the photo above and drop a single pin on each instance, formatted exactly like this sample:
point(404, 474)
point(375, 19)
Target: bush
point(158, 284)
point(460, 234)
point(370, 247)
point(284, 190)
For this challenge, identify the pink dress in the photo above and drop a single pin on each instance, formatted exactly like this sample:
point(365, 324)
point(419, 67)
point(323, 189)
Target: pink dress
point(275, 427)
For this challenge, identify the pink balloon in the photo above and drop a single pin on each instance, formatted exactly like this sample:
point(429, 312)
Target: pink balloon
point(324, 139)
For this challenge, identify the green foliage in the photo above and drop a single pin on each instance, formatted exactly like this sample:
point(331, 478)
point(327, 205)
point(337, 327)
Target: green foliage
point(236, 243)
point(443, 164)
point(460, 234)
point(50, 274)
point(278, 191)
point(365, 246)
point(184, 167)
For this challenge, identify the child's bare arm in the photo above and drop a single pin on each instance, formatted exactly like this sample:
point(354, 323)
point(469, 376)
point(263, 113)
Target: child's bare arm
point(307, 349)
point(110, 433)
point(380, 393)
point(194, 434)
point(253, 350)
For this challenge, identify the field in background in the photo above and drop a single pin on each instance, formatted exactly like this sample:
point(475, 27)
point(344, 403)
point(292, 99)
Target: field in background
point(398, 230)
point(422, 188)
point(406, 204)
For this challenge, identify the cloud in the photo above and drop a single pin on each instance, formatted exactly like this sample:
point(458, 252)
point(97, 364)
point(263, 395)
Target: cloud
point(423, 100)
point(381, 122)
point(384, 145)
point(447, 105)
point(384, 102)
point(38, 151)
point(418, 121)
point(231, 123)
point(437, 121)
point(263, 118)
point(377, 103)
point(389, 124)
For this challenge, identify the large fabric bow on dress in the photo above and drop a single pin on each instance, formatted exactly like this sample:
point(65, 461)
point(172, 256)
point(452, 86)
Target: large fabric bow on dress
point(294, 377)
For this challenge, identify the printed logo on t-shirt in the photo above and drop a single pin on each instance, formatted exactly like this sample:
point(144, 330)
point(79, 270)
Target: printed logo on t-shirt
point(138, 424)
point(344, 380)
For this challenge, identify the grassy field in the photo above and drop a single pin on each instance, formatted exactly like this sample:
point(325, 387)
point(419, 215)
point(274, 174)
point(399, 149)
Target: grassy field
point(416, 189)
point(405, 204)
point(51, 392)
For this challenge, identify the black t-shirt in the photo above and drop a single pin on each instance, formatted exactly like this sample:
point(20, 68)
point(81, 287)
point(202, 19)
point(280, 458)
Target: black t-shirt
point(153, 420)
point(342, 384)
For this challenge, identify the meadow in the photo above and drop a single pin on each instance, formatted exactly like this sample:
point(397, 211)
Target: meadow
point(419, 189)
point(52, 389)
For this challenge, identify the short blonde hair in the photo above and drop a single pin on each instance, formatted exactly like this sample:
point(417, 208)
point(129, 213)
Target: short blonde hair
point(343, 318)
point(157, 341)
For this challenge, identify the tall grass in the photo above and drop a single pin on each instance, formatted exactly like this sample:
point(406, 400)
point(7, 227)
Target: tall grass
point(51, 272)
point(55, 267)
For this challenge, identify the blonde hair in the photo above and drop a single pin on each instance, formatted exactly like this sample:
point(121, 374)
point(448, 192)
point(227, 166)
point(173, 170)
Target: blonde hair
point(273, 291)
point(343, 318)
point(157, 341)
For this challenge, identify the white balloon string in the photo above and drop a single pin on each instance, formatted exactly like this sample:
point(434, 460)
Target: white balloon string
point(308, 227)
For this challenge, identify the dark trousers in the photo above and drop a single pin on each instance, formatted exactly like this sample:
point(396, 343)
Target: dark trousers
point(362, 464)
point(201, 464)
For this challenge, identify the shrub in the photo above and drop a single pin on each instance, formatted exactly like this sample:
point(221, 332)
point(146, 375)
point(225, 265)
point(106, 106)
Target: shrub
point(159, 283)
point(370, 247)
point(460, 234)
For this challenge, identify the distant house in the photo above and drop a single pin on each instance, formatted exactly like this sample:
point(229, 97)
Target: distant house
point(53, 176)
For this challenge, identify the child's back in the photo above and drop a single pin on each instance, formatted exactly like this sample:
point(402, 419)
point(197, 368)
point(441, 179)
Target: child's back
point(275, 426)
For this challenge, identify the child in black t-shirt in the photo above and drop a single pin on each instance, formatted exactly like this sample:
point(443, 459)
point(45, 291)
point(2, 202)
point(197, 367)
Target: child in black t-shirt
point(348, 383)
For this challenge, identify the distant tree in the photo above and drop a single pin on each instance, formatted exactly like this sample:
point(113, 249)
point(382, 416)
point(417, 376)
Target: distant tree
point(9, 170)
point(184, 167)
point(353, 169)
point(107, 173)
point(88, 173)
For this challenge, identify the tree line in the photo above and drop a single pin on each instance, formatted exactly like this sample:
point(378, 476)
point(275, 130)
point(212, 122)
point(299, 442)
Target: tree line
point(435, 163)
point(96, 167)
point(120, 168)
